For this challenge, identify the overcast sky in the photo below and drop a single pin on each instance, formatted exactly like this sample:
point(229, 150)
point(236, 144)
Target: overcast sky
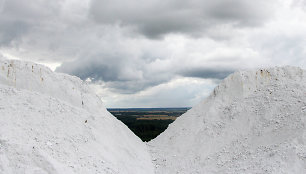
point(154, 53)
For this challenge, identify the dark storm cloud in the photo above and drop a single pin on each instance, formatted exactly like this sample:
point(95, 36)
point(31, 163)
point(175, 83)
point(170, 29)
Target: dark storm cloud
point(18, 17)
point(92, 70)
point(119, 73)
point(132, 87)
point(240, 12)
point(206, 73)
point(157, 18)
point(98, 67)
point(11, 31)
point(127, 76)
point(110, 41)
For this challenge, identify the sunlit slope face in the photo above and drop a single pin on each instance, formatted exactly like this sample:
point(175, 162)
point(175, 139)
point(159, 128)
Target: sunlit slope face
point(253, 122)
point(53, 123)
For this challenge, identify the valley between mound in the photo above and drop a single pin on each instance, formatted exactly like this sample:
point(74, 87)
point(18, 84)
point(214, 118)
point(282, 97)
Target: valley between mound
point(253, 122)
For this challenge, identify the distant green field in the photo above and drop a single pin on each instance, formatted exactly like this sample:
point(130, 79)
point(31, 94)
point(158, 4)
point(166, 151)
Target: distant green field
point(147, 123)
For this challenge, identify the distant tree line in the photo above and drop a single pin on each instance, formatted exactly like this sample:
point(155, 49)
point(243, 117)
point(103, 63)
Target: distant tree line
point(145, 129)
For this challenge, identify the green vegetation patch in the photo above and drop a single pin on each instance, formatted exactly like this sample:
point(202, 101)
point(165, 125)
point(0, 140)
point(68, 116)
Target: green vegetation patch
point(148, 123)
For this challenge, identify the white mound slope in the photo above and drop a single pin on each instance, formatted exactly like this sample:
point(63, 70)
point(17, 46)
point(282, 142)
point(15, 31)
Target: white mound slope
point(253, 122)
point(53, 123)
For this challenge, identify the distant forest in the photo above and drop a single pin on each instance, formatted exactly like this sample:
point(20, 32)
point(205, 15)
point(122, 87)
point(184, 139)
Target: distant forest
point(148, 123)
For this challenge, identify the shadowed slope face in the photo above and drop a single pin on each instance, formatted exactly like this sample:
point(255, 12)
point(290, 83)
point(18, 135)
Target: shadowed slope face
point(253, 122)
point(53, 123)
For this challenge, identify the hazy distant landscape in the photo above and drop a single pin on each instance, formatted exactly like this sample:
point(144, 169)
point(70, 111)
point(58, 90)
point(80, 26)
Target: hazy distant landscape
point(147, 123)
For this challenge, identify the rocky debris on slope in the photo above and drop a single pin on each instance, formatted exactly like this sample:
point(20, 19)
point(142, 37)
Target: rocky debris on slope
point(253, 122)
point(53, 123)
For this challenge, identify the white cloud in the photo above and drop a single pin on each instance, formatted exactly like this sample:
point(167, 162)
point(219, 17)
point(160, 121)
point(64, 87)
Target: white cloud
point(179, 92)
point(157, 18)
